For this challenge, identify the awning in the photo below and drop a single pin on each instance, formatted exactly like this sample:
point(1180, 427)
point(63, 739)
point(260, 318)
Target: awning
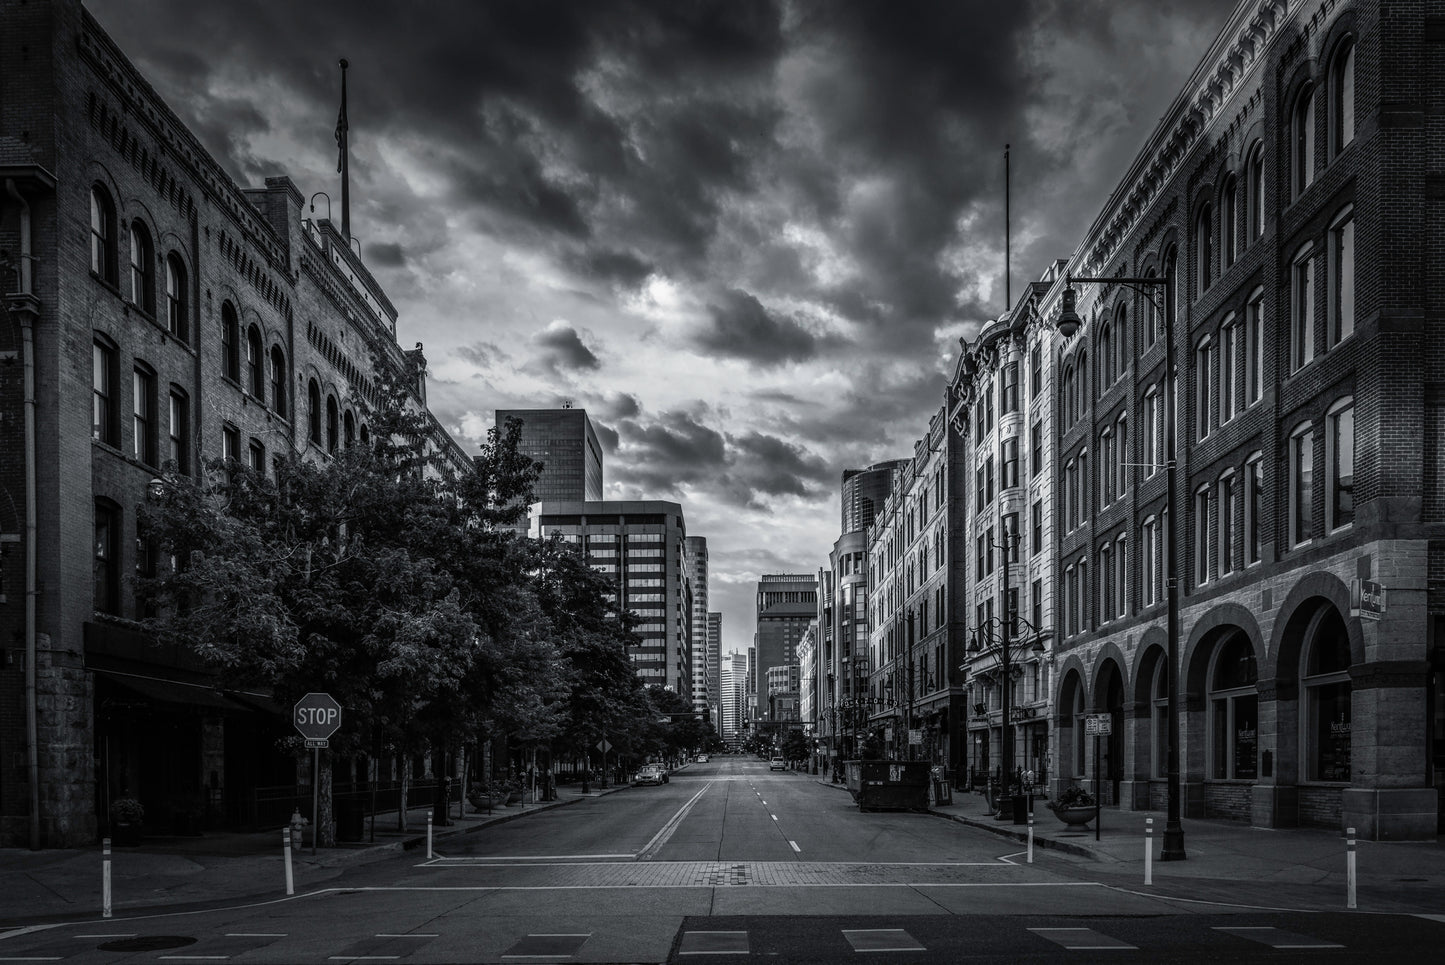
point(172, 691)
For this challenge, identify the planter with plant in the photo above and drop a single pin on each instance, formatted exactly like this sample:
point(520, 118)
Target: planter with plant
point(1074, 806)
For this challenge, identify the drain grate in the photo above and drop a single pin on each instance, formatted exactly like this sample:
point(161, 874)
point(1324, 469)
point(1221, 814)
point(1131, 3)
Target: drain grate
point(147, 943)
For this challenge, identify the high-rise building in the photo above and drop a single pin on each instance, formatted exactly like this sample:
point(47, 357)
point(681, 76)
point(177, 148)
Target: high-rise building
point(714, 650)
point(641, 547)
point(564, 442)
point(787, 603)
point(701, 657)
point(733, 692)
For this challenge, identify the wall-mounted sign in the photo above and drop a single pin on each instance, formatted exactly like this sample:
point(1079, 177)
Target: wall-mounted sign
point(1098, 725)
point(1367, 599)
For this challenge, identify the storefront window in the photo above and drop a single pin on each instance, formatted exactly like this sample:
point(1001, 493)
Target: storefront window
point(1234, 712)
point(1327, 702)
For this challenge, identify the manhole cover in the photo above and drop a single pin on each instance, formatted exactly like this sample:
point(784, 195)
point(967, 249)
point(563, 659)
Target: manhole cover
point(147, 943)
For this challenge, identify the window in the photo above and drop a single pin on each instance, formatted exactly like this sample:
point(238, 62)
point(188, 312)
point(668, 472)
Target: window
point(256, 456)
point(313, 398)
point(1121, 341)
point(1071, 590)
point(333, 427)
point(1149, 577)
point(1254, 347)
point(1254, 192)
point(1010, 464)
point(278, 381)
point(103, 259)
point(988, 408)
point(1083, 500)
point(143, 391)
point(1010, 401)
point(1302, 141)
point(104, 426)
point(142, 269)
point(1203, 379)
point(176, 297)
point(1121, 576)
point(1121, 434)
point(1204, 248)
point(1036, 447)
point(1036, 594)
point(1229, 516)
point(1301, 485)
point(1253, 507)
point(1106, 582)
point(1342, 98)
point(1201, 535)
point(1106, 467)
point(1228, 225)
point(106, 572)
point(978, 556)
point(1083, 596)
point(1302, 310)
point(180, 432)
point(988, 479)
point(1152, 435)
point(1011, 536)
point(1341, 270)
point(1234, 712)
point(1106, 356)
point(255, 363)
point(1340, 457)
point(1067, 396)
point(1071, 494)
point(230, 343)
point(230, 443)
point(1036, 371)
point(1326, 681)
point(1037, 521)
point(988, 545)
point(1230, 344)
point(1155, 324)
point(978, 488)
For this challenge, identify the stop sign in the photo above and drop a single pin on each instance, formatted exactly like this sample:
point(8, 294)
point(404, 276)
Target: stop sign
point(317, 716)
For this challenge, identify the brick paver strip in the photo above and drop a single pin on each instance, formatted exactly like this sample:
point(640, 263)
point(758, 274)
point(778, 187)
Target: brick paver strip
point(722, 874)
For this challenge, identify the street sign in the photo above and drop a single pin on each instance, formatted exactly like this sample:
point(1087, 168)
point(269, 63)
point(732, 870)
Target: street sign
point(1098, 725)
point(316, 716)
point(1367, 599)
point(915, 736)
point(603, 746)
point(311, 742)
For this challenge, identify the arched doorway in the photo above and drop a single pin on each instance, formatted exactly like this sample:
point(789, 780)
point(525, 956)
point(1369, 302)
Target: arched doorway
point(1109, 699)
point(1233, 727)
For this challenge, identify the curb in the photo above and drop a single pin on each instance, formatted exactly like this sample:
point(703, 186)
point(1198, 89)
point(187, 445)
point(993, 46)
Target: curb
point(1007, 831)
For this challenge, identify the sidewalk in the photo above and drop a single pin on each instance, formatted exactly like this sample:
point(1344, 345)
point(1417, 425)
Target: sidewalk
point(1228, 860)
point(186, 873)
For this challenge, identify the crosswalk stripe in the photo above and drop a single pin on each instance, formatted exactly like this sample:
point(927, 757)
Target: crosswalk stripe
point(1275, 937)
point(1081, 939)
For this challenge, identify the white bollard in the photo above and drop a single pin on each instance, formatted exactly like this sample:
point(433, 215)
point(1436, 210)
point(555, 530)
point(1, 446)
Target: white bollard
point(428, 837)
point(1031, 836)
point(1148, 851)
point(1350, 868)
point(286, 848)
point(105, 878)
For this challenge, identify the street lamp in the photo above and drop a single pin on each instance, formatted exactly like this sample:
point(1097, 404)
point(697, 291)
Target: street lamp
point(1173, 846)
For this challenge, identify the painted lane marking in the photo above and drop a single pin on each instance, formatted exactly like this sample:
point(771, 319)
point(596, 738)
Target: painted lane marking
point(795, 847)
point(34, 958)
point(1081, 939)
point(473, 859)
point(881, 940)
point(417, 934)
point(666, 832)
point(255, 934)
point(1275, 937)
point(195, 958)
point(773, 816)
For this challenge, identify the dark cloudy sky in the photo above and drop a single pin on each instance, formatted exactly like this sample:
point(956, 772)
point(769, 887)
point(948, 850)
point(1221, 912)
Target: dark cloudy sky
point(745, 236)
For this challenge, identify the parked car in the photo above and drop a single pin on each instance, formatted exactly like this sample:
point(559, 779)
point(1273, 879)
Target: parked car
point(702, 758)
point(651, 774)
point(777, 764)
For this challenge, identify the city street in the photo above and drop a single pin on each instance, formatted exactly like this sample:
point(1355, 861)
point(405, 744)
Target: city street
point(728, 861)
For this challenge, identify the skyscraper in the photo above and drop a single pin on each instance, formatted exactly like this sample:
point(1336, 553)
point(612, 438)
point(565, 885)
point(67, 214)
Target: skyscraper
point(714, 663)
point(563, 441)
point(701, 665)
point(787, 603)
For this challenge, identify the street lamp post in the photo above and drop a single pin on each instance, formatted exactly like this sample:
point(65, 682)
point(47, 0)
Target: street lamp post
point(1173, 845)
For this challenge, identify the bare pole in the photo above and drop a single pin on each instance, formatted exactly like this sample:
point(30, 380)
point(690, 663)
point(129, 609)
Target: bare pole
point(1008, 299)
point(343, 164)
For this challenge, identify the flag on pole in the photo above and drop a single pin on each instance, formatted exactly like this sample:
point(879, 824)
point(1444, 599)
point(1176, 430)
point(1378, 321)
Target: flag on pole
point(341, 125)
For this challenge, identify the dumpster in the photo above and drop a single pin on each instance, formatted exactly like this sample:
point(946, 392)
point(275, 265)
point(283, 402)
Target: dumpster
point(889, 785)
point(350, 819)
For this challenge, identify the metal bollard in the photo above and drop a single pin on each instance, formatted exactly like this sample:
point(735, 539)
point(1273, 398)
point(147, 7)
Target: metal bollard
point(1031, 835)
point(105, 878)
point(428, 837)
point(1350, 868)
point(286, 850)
point(1148, 851)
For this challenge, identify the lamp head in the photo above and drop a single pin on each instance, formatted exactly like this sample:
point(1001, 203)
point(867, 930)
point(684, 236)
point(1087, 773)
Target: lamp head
point(1069, 320)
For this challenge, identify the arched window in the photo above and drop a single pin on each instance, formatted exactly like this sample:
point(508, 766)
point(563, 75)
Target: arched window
point(333, 419)
point(1342, 98)
point(1202, 534)
point(1326, 680)
point(177, 298)
point(1171, 272)
point(1121, 340)
point(1254, 192)
point(313, 399)
point(1204, 247)
point(1156, 322)
point(349, 429)
point(256, 363)
point(1302, 141)
point(1068, 396)
point(1149, 568)
point(1228, 225)
point(278, 381)
point(1234, 711)
point(1106, 356)
point(142, 269)
point(230, 343)
point(365, 435)
point(103, 259)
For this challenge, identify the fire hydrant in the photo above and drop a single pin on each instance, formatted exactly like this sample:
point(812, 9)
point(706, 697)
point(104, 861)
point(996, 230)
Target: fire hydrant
point(298, 824)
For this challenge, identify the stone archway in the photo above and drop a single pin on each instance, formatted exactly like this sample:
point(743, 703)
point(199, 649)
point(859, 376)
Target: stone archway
point(1069, 707)
point(1108, 752)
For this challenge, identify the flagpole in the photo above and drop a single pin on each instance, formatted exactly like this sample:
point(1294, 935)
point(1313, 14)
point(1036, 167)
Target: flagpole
point(343, 164)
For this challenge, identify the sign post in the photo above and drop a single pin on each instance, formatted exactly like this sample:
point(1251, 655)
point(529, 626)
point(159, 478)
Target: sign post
point(1098, 725)
point(317, 717)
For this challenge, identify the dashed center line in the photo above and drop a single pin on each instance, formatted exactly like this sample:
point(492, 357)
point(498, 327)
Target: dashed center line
point(795, 847)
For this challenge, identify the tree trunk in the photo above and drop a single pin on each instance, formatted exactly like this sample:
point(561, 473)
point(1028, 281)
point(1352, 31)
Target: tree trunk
point(326, 819)
point(401, 797)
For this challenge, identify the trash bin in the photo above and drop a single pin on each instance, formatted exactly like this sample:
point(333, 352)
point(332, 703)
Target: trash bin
point(1020, 804)
point(350, 819)
point(889, 785)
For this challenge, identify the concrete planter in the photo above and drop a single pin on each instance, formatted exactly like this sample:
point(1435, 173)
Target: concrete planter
point(1076, 816)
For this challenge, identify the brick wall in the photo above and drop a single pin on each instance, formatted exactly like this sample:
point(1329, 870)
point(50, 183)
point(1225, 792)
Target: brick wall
point(1230, 801)
point(1319, 807)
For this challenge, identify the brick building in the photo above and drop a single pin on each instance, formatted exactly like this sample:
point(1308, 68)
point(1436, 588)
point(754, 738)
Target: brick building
point(158, 315)
point(1290, 193)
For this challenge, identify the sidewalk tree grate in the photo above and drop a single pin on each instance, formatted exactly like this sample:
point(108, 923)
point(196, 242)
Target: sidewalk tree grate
point(147, 943)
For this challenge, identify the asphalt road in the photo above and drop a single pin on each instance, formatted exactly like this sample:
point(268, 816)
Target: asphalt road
point(730, 862)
